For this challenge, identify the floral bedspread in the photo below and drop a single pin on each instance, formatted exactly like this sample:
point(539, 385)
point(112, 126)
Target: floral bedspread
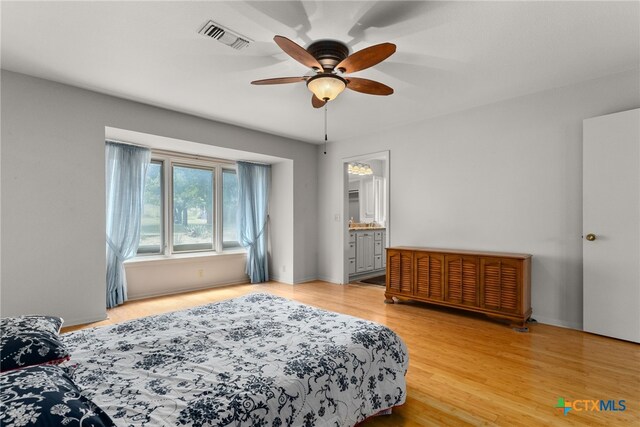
point(257, 360)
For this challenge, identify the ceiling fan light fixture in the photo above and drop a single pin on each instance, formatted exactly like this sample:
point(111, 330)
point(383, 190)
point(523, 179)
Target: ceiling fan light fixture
point(326, 86)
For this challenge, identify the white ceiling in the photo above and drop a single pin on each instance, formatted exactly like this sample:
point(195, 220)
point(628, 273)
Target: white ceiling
point(450, 55)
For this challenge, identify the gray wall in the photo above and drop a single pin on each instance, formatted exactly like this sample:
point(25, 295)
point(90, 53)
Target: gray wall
point(281, 218)
point(52, 195)
point(506, 176)
point(503, 177)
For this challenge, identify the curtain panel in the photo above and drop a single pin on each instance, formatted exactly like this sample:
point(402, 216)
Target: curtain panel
point(254, 181)
point(126, 169)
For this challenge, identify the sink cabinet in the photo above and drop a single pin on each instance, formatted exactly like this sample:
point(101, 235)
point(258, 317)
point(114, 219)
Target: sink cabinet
point(366, 252)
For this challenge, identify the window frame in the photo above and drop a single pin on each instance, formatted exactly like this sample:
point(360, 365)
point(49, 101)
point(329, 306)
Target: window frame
point(233, 244)
point(163, 213)
point(171, 198)
point(168, 161)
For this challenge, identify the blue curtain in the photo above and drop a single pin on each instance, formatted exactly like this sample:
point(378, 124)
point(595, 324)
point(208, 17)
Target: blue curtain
point(253, 208)
point(126, 169)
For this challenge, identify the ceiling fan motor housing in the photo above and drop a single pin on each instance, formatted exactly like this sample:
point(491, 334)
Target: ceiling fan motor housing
point(329, 53)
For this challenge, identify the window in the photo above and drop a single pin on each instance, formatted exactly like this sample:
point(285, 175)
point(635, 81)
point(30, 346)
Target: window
point(192, 209)
point(190, 206)
point(151, 238)
point(229, 208)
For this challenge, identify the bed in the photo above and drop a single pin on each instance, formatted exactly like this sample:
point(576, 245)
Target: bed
point(257, 360)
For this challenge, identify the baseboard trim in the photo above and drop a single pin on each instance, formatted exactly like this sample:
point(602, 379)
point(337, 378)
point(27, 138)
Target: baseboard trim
point(556, 322)
point(276, 278)
point(329, 279)
point(84, 320)
point(282, 282)
point(306, 279)
point(183, 290)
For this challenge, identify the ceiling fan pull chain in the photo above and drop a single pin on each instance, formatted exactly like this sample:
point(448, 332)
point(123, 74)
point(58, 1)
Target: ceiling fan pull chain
point(325, 128)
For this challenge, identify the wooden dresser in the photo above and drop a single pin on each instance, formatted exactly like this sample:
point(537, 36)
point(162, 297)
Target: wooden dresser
point(496, 284)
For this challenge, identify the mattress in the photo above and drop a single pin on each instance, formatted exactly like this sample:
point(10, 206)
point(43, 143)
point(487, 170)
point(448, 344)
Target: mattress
point(256, 360)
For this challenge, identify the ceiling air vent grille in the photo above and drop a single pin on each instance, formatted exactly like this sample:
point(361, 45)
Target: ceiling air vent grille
point(225, 35)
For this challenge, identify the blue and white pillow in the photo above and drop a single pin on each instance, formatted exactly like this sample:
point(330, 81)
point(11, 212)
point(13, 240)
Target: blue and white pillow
point(46, 396)
point(30, 340)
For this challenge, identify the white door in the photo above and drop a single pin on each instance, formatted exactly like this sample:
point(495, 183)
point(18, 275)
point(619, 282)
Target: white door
point(611, 225)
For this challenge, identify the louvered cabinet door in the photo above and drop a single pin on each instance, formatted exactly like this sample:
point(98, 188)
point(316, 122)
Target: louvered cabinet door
point(461, 280)
point(501, 282)
point(428, 275)
point(399, 267)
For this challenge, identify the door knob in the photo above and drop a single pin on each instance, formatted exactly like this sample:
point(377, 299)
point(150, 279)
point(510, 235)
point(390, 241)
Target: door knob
point(590, 237)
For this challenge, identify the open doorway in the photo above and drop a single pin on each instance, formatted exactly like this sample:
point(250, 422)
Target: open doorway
point(366, 217)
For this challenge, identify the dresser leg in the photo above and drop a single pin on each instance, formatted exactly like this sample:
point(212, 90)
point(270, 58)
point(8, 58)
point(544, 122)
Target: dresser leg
point(388, 299)
point(520, 326)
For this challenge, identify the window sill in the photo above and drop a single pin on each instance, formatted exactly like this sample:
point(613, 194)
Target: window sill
point(183, 258)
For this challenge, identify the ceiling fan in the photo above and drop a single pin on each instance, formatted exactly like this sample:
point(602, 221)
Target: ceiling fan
point(330, 60)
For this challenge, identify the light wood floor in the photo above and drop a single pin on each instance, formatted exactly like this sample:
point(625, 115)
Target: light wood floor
point(465, 369)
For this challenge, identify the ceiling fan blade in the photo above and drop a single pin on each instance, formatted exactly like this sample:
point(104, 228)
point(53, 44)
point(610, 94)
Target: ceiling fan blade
point(279, 80)
point(293, 14)
point(388, 14)
point(317, 102)
point(297, 52)
point(367, 86)
point(366, 58)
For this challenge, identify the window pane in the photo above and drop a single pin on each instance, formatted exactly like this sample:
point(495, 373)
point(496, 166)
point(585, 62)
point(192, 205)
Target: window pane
point(229, 208)
point(151, 228)
point(192, 209)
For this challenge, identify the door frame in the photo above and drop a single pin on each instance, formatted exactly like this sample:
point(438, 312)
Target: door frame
point(379, 155)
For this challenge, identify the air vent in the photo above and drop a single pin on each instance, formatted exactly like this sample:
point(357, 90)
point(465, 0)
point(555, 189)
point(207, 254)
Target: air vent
point(224, 35)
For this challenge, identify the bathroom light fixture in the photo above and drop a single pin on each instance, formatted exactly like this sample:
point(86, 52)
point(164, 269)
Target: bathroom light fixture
point(360, 169)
